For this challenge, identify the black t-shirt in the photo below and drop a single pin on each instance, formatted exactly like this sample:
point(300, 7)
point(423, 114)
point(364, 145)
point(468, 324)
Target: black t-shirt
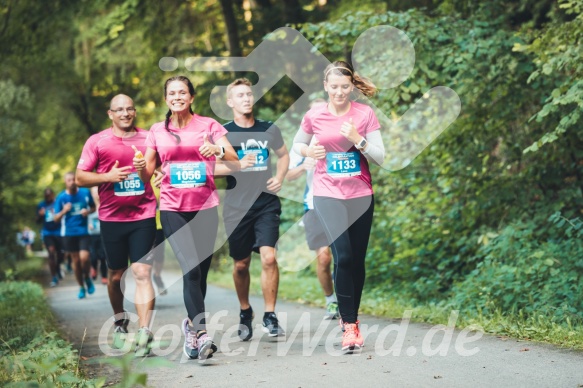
point(244, 186)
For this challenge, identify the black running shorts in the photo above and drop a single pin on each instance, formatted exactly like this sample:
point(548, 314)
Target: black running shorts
point(247, 232)
point(53, 241)
point(76, 243)
point(128, 240)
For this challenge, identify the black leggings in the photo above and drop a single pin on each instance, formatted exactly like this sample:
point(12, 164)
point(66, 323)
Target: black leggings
point(347, 223)
point(192, 237)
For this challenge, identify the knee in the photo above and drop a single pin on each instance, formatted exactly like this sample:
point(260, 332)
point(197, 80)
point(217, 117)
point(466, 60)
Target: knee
point(241, 267)
point(115, 275)
point(324, 259)
point(141, 272)
point(268, 259)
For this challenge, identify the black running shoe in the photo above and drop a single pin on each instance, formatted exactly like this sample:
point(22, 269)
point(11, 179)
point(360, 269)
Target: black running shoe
point(271, 326)
point(246, 325)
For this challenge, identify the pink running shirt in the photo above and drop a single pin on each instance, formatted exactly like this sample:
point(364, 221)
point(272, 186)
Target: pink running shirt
point(125, 201)
point(325, 127)
point(180, 164)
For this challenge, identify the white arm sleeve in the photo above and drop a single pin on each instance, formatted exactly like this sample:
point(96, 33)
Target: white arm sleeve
point(375, 150)
point(300, 140)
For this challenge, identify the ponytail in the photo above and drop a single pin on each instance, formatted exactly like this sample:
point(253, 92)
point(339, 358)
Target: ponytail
point(365, 86)
point(166, 122)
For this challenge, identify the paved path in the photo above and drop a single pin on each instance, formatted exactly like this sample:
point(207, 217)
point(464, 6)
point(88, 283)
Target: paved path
point(396, 353)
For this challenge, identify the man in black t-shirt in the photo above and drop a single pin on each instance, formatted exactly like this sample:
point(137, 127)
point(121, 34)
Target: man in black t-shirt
point(251, 207)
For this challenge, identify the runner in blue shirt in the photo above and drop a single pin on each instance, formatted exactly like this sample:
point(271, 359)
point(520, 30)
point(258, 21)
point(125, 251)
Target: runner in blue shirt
point(72, 207)
point(51, 234)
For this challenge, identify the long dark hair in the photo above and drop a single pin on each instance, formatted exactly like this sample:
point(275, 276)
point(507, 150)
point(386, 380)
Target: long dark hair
point(365, 86)
point(192, 92)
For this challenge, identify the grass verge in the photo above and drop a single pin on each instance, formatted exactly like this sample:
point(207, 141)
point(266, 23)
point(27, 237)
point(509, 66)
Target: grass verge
point(31, 351)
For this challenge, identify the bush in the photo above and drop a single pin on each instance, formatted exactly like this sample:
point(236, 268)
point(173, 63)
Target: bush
point(30, 352)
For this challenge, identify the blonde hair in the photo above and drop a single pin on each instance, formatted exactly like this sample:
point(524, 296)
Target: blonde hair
point(237, 82)
point(363, 84)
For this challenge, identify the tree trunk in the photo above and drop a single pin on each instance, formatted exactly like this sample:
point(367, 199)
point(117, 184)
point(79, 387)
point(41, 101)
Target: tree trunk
point(232, 30)
point(292, 11)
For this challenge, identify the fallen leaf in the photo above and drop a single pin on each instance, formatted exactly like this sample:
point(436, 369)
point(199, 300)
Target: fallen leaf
point(437, 377)
point(369, 357)
point(524, 350)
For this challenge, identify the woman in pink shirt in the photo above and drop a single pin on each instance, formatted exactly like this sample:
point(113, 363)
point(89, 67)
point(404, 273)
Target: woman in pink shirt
point(347, 137)
point(186, 147)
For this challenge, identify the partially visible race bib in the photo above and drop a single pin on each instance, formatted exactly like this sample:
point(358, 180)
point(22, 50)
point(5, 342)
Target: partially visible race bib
point(343, 164)
point(189, 174)
point(132, 185)
point(93, 224)
point(49, 215)
point(76, 208)
point(261, 158)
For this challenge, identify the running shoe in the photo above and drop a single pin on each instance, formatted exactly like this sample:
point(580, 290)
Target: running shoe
point(352, 339)
point(190, 343)
point(54, 282)
point(246, 325)
point(90, 286)
point(104, 281)
point(93, 273)
point(120, 333)
point(143, 342)
point(359, 342)
point(69, 268)
point(332, 311)
point(160, 284)
point(81, 294)
point(206, 346)
point(271, 326)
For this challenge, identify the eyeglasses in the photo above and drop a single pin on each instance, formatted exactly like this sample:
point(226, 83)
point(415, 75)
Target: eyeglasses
point(121, 110)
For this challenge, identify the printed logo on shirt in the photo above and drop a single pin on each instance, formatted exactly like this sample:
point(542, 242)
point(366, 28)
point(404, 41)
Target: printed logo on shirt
point(260, 151)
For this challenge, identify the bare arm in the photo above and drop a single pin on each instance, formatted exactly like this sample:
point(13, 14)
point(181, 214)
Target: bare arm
point(90, 178)
point(65, 210)
point(229, 162)
point(274, 184)
point(295, 173)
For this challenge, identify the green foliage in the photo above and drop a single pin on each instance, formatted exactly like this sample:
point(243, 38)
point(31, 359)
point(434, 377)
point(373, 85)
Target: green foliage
point(46, 361)
point(559, 56)
point(30, 353)
point(516, 272)
point(133, 375)
point(21, 303)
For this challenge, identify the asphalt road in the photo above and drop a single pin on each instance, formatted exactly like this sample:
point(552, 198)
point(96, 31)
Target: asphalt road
point(396, 353)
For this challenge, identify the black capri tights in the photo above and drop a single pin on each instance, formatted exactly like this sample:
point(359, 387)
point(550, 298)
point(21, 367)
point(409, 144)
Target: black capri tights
point(347, 223)
point(192, 237)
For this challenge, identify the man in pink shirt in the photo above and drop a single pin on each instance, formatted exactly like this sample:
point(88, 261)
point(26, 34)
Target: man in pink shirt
point(127, 214)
